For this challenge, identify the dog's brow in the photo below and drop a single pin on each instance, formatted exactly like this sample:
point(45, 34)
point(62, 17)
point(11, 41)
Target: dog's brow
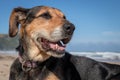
point(45, 15)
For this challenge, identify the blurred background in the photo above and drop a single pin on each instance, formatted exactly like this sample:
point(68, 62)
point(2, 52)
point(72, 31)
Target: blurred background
point(97, 22)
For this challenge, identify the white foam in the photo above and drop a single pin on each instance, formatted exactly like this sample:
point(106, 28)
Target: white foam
point(99, 55)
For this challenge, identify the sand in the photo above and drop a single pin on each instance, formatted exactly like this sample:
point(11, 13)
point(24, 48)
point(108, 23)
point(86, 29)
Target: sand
point(5, 63)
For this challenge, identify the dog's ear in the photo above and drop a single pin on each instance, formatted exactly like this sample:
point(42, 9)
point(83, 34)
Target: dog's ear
point(17, 17)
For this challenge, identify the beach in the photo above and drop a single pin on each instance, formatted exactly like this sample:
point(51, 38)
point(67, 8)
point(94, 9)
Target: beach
point(5, 63)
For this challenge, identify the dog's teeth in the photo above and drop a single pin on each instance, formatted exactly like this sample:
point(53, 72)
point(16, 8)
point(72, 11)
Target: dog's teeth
point(62, 43)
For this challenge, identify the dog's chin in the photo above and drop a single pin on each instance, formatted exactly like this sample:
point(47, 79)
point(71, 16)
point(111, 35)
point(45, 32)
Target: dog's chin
point(53, 48)
point(57, 54)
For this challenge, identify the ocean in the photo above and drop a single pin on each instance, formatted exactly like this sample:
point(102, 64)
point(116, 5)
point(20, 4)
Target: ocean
point(99, 56)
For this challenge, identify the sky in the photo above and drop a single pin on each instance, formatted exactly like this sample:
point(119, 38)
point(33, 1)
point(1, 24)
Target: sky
point(97, 21)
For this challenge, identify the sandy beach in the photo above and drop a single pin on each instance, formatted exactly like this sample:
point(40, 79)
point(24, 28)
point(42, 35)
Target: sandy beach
point(5, 63)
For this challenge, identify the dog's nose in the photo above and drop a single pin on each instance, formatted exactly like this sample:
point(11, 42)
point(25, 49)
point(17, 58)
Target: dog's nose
point(68, 28)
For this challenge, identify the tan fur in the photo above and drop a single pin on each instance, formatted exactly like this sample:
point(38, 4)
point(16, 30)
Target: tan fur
point(51, 76)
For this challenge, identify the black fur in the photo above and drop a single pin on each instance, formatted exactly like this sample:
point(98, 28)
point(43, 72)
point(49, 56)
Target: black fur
point(33, 11)
point(31, 14)
point(93, 70)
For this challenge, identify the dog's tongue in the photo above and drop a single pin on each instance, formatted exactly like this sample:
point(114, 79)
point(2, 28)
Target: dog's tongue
point(57, 46)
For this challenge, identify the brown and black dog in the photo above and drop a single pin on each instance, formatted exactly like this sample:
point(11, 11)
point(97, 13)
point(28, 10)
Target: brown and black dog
point(43, 35)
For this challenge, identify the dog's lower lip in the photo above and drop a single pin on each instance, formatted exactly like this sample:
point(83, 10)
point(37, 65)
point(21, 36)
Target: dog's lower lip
point(55, 46)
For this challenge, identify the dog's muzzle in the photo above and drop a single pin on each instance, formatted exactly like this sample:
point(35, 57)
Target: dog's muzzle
point(56, 44)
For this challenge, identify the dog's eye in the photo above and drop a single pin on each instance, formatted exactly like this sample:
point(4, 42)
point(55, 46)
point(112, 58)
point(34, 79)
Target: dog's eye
point(46, 15)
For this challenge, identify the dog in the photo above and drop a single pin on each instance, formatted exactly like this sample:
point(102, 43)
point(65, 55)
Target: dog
point(43, 35)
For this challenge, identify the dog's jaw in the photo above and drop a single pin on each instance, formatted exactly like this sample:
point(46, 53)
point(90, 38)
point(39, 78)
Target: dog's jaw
point(34, 53)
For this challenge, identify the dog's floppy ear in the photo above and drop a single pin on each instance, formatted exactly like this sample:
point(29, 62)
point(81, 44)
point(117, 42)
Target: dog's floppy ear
point(17, 17)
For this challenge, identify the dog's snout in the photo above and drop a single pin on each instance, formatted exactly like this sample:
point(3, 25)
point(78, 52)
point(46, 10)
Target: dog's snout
point(68, 28)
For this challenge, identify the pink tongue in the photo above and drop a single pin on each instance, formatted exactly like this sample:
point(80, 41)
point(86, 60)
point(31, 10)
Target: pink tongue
point(57, 47)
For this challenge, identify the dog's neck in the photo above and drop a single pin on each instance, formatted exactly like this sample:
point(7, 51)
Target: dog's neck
point(27, 63)
point(21, 49)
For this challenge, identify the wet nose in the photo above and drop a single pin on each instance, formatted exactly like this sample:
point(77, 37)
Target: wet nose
point(68, 28)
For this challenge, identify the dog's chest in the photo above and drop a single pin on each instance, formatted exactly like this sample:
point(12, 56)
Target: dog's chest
point(48, 75)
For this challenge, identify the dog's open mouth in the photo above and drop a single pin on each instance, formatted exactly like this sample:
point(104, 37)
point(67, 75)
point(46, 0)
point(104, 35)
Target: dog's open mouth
point(58, 46)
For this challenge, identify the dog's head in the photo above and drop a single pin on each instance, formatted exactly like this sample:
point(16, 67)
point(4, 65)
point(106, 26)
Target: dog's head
point(44, 30)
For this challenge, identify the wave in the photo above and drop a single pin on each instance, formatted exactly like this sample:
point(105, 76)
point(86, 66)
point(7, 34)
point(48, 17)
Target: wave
point(11, 52)
point(100, 56)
